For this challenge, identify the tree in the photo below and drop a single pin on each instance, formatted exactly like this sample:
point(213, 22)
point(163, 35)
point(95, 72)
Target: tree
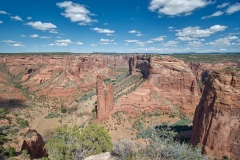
point(77, 143)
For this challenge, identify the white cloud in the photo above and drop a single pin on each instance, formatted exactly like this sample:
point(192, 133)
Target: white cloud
point(79, 43)
point(29, 17)
point(224, 41)
point(197, 32)
point(17, 18)
point(105, 24)
point(76, 12)
point(195, 43)
point(41, 26)
point(17, 45)
point(63, 41)
point(139, 43)
point(94, 45)
point(106, 40)
point(23, 35)
point(3, 12)
point(139, 35)
point(218, 13)
point(34, 35)
point(45, 37)
point(8, 41)
point(133, 31)
point(186, 38)
point(106, 31)
point(233, 8)
point(176, 7)
point(161, 38)
point(171, 43)
point(53, 31)
point(222, 5)
point(1, 22)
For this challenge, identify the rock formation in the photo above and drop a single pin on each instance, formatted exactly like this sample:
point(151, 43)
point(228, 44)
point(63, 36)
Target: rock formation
point(105, 98)
point(171, 77)
point(216, 125)
point(34, 144)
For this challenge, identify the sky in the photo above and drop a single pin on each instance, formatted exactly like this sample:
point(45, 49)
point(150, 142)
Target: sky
point(123, 26)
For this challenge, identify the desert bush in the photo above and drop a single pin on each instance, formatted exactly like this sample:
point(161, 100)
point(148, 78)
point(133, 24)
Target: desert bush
point(158, 144)
point(22, 122)
point(63, 110)
point(77, 143)
point(9, 152)
point(3, 112)
point(52, 115)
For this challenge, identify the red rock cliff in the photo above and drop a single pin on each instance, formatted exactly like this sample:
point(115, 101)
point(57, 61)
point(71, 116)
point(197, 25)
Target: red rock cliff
point(216, 125)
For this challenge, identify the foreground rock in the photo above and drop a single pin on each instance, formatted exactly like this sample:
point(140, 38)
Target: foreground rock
point(216, 125)
point(34, 144)
point(103, 156)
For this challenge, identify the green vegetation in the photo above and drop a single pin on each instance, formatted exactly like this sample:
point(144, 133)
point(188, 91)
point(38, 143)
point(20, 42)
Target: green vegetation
point(209, 58)
point(63, 110)
point(86, 96)
point(3, 112)
point(159, 144)
point(77, 143)
point(9, 152)
point(22, 122)
point(52, 115)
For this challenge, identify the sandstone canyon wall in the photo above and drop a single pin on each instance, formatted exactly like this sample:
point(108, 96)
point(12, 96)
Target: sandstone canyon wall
point(216, 125)
point(171, 77)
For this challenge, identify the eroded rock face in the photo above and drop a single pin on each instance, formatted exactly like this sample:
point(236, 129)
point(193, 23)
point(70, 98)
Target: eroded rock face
point(105, 98)
point(34, 144)
point(216, 125)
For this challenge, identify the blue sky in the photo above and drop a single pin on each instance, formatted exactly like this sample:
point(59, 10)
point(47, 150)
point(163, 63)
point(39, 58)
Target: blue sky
point(126, 26)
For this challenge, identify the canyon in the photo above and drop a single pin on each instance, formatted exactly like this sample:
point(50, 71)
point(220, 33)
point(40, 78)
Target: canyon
point(93, 88)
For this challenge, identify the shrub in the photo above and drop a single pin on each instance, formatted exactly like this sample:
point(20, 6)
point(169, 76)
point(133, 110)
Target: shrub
point(159, 144)
point(3, 112)
point(9, 152)
point(63, 110)
point(77, 143)
point(22, 122)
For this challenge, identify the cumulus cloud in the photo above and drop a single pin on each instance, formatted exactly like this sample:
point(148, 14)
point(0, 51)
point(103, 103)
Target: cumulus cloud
point(45, 37)
point(79, 43)
point(100, 30)
point(61, 42)
point(29, 17)
point(197, 32)
point(34, 36)
point(17, 45)
point(176, 7)
point(139, 43)
point(8, 41)
point(106, 40)
point(224, 41)
point(195, 43)
point(171, 44)
point(186, 38)
point(3, 12)
point(17, 18)
point(161, 38)
point(138, 33)
point(53, 31)
point(76, 12)
point(41, 26)
point(1, 22)
point(222, 5)
point(233, 8)
point(218, 13)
